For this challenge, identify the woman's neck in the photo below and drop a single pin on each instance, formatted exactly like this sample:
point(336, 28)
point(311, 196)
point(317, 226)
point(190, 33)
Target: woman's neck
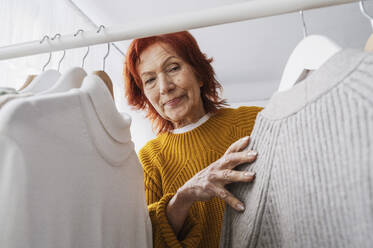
point(192, 126)
point(190, 120)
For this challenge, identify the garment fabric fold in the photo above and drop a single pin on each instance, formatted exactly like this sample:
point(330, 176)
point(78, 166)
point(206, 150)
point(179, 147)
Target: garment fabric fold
point(314, 176)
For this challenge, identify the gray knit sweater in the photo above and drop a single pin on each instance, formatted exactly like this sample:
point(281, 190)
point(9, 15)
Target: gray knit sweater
point(314, 183)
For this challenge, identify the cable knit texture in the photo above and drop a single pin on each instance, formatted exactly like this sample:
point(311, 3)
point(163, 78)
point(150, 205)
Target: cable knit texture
point(172, 159)
point(314, 176)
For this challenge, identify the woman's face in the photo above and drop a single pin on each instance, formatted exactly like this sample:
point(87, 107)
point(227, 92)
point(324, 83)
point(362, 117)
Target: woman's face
point(170, 85)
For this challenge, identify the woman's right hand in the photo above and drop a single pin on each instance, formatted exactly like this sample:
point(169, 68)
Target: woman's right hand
point(210, 181)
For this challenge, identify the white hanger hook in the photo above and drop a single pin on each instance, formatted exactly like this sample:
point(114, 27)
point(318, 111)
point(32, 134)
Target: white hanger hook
point(64, 51)
point(365, 13)
point(305, 33)
point(46, 37)
point(86, 54)
point(108, 48)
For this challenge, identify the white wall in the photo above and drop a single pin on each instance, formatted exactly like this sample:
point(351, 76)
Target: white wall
point(23, 21)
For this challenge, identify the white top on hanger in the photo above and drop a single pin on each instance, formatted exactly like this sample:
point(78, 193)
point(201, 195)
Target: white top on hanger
point(312, 52)
point(71, 79)
point(42, 82)
point(70, 176)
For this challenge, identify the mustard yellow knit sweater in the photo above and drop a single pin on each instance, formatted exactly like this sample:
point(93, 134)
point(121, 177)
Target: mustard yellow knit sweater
point(170, 160)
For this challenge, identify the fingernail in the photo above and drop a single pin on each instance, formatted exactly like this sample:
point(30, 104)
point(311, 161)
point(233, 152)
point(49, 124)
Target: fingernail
point(252, 153)
point(249, 174)
point(240, 207)
point(246, 138)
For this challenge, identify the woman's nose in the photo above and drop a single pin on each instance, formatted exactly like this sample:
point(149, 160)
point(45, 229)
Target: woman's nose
point(166, 84)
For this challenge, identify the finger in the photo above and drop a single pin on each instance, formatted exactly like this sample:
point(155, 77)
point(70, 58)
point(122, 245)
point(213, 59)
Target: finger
point(231, 160)
point(239, 145)
point(229, 176)
point(232, 201)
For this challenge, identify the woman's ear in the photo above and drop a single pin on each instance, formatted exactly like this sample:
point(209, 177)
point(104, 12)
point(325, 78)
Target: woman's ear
point(200, 84)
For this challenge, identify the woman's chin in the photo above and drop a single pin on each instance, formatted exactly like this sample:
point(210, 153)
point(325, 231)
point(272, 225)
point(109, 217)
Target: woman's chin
point(176, 119)
point(177, 114)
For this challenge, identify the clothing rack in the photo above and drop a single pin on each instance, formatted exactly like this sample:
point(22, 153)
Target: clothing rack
point(191, 20)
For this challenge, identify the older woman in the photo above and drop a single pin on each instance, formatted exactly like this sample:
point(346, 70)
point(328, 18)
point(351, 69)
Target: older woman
point(192, 158)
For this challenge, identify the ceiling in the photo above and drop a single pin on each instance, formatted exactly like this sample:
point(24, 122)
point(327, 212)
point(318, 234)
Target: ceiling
point(244, 52)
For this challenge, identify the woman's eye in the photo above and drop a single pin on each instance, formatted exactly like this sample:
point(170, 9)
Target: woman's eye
point(149, 80)
point(174, 68)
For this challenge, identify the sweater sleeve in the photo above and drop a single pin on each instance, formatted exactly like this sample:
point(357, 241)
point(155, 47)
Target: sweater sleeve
point(245, 120)
point(163, 234)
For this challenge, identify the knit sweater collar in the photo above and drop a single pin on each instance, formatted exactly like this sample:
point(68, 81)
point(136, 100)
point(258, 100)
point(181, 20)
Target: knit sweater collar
point(192, 126)
point(200, 138)
point(336, 69)
point(202, 128)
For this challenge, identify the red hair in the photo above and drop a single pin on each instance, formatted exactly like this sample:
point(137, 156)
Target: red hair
point(187, 48)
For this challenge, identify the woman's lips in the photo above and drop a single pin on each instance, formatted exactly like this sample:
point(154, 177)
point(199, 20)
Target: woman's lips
point(174, 101)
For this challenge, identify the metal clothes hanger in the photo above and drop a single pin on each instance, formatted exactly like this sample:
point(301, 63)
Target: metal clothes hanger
point(70, 79)
point(32, 76)
point(102, 74)
point(64, 51)
point(310, 54)
point(46, 79)
point(369, 44)
point(86, 54)
point(50, 52)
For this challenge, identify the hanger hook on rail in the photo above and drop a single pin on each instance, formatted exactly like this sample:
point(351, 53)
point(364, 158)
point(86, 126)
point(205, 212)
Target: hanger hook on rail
point(365, 13)
point(86, 54)
point(99, 28)
point(305, 32)
point(64, 51)
point(46, 37)
point(108, 48)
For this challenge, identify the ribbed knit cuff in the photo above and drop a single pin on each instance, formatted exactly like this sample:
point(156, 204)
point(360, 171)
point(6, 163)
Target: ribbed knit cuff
point(191, 232)
point(191, 239)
